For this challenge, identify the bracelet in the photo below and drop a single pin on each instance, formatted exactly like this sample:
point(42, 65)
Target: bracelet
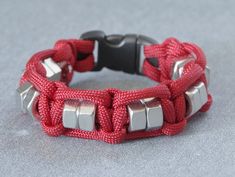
point(113, 115)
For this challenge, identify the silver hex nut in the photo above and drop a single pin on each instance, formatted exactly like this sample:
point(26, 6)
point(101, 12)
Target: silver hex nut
point(28, 102)
point(154, 114)
point(137, 116)
point(21, 94)
point(79, 115)
point(207, 73)
point(86, 116)
point(196, 97)
point(70, 114)
point(178, 66)
point(53, 70)
point(27, 93)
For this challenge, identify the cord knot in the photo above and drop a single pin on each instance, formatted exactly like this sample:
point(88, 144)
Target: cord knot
point(65, 51)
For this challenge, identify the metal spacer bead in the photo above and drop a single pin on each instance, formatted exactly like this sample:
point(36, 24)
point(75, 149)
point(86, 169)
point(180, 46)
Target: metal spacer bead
point(145, 114)
point(178, 67)
point(137, 116)
point(196, 98)
point(26, 96)
point(79, 115)
point(207, 74)
point(21, 94)
point(154, 114)
point(28, 102)
point(53, 70)
point(27, 93)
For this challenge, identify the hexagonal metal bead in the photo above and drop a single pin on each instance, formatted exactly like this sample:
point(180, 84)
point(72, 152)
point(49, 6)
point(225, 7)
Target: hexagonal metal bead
point(137, 116)
point(53, 70)
point(86, 116)
point(196, 97)
point(70, 114)
point(207, 74)
point(202, 92)
point(178, 67)
point(29, 99)
point(21, 94)
point(79, 115)
point(154, 114)
point(27, 93)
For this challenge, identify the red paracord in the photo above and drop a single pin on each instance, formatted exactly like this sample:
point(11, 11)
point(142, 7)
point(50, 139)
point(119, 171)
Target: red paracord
point(111, 116)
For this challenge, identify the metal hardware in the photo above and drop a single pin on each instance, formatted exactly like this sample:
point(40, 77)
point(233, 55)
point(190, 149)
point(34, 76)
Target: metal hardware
point(196, 98)
point(179, 66)
point(27, 93)
point(26, 96)
point(53, 70)
point(22, 91)
point(141, 42)
point(137, 116)
point(154, 114)
point(119, 52)
point(70, 114)
point(202, 92)
point(145, 114)
point(87, 116)
point(79, 115)
point(207, 73)
point(29, 100)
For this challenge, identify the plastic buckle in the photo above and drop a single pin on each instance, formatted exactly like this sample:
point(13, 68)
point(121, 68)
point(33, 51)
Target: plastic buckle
point(119, 52)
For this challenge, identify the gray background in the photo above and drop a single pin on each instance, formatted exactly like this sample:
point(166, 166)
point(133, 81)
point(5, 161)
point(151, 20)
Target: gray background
point(205, 148)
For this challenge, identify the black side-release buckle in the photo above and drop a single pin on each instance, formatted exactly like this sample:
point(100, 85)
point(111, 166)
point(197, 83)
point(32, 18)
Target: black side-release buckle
point(119, 52)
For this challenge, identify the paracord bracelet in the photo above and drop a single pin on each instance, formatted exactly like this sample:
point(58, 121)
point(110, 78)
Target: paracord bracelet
point(113, 115)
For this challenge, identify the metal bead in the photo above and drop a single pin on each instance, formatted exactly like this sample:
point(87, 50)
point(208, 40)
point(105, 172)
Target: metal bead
point(207, 73)
point(178, 66)
point(87, 116)
point(196, 98)
point(137, 116)
point(141, 42)
point(70, 114)
point(79, 115)
point(27, 93)
point(197, 95)
point(193, 99)
point(28, 102)
point(22, 92)
point(154, 114)
point(53, 70)
point(202, 92)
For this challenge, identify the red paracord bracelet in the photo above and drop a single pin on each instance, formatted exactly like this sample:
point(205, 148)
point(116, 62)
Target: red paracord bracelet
point(113, 115)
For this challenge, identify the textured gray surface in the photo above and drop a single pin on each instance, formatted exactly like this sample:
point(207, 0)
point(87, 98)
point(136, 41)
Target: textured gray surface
point(205, 148)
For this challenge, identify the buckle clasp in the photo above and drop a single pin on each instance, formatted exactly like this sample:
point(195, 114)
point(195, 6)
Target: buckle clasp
point(119, 52)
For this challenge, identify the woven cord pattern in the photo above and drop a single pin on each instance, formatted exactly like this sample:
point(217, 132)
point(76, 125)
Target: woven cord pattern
point(111, 116)
point(167, 53)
